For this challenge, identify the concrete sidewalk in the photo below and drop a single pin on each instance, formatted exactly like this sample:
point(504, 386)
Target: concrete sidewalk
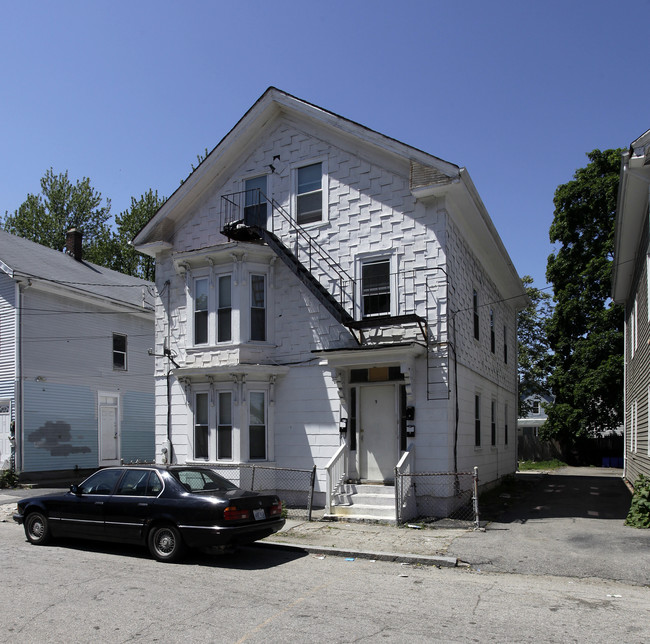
point(404, 544)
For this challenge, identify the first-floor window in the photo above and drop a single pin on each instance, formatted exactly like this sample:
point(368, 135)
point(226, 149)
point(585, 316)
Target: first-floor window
point(493, 423)
point(505, 345)
point(492, 335)
point(505, 433)
point(201, 425)
point(633, 427)
point(258, 308)
point(257, 425)
point(477, 420)
point(224, 426)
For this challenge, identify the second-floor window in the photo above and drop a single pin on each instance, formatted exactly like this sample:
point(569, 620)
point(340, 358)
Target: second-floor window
point(119, 352)
point(309, 193)
point(475, 314)
point(535, 409)
point(375, 287)
point(258, 308)
point(224, 309)
point(201, 310)
point(492, 335)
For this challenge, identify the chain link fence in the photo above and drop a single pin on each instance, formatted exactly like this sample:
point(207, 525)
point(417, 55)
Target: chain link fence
point(294, 487)
point(449, 498)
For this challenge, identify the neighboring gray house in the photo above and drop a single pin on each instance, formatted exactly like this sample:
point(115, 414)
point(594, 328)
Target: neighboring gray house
point(76, 385)
point(332, 297)
point(631, 287)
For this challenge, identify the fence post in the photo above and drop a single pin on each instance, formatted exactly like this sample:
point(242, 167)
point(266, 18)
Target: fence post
point(477, 523)
point(253, 480)
point(310, 500)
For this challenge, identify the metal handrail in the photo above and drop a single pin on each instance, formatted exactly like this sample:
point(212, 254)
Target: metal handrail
point(308, 245)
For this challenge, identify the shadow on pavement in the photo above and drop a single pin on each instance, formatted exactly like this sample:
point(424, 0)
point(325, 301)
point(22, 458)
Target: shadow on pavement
point(537, 496)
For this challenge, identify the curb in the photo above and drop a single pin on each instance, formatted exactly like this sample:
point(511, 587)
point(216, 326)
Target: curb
point(424, 560)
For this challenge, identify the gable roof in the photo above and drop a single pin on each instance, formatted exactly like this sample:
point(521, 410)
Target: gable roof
point(271, 104)
point(429, 176)
point(22, 260)
point(631, 214)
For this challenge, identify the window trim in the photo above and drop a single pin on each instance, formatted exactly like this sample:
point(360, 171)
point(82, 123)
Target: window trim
point(124, 353)
point(477, 420)
point(295, 167)
point(265, 394)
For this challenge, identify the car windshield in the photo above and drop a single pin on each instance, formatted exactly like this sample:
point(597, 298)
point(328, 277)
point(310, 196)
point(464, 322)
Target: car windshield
point(202, 480)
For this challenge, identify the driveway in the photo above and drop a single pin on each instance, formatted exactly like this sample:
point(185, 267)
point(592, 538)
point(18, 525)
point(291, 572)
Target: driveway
point(568, 522)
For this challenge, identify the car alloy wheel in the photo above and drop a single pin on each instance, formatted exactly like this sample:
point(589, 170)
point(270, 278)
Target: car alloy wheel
point(37, 529)
point(165, 543)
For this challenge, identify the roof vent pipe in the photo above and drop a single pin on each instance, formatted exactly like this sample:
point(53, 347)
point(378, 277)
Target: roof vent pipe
point(73, 244)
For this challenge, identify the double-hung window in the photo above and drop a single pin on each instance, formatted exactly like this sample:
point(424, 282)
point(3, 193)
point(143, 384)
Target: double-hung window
point(309, 193)
point(201, 286)
point(505, 427)
point(224, 309)
point(257, 425)
point(477, 420)
point(476, 317)
point(505, 345)
point(493, 423)
point(201, 425)
point(375, 287)
point(255, 202)
point(224, 426)
point(119, 352)
point(492, 335)
point(258, 308)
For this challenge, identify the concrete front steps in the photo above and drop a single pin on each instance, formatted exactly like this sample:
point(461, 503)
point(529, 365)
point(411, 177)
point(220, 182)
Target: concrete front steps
point(365, 502)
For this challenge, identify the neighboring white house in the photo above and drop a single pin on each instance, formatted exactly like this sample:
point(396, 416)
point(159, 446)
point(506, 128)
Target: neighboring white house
point(76, 382)
point(530, 425)
point(631, 287)
point(325, 289)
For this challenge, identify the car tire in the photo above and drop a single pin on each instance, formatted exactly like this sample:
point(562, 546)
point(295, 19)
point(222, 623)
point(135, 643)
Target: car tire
point(37, 528)
point(165, 543)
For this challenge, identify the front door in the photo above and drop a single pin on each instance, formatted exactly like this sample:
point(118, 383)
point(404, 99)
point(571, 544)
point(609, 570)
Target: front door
point(377, 433)
point(109, 434)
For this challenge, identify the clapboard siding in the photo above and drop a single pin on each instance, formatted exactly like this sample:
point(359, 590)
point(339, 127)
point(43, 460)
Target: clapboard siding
point(137, 426)
point(637, 368)
point(7, 337)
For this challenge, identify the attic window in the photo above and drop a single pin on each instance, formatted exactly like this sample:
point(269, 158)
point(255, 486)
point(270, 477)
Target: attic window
point(309, 193)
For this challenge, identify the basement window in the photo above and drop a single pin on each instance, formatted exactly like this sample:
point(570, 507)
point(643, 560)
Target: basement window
point(119, 352)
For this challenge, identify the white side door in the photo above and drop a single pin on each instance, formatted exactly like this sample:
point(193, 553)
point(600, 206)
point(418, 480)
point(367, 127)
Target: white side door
point(5, 427)
point(109, 429)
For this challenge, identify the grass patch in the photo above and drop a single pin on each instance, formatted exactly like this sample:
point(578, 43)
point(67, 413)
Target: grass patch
point(554, 464)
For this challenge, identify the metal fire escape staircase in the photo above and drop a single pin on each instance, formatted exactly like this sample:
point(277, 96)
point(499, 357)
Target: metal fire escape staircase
point(245, 218)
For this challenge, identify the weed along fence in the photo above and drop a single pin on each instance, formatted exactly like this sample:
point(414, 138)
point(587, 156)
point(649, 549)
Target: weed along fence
point(294, 487)
point(432, 496)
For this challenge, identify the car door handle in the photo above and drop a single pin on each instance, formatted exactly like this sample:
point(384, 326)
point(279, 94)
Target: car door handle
point(99, 503)
point(142, 505)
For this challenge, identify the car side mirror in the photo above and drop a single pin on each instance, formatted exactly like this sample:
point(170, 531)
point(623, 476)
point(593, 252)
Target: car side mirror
point(75, 489)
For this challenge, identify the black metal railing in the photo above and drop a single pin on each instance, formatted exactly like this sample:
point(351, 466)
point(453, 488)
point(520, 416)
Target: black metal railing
point(252, 208)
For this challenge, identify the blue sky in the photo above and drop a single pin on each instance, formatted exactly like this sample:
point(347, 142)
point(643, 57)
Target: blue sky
point(128, 93)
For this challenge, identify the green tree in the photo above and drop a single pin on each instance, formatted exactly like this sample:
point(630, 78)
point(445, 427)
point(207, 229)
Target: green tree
point(61, 205)
point(532, 344)
point(585, 331)
point(129, 223)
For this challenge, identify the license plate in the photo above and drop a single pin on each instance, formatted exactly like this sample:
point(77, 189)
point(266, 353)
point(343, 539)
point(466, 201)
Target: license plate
point(259, 514)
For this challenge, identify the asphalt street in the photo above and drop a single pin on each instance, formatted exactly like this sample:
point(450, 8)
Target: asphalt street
point(75, 592)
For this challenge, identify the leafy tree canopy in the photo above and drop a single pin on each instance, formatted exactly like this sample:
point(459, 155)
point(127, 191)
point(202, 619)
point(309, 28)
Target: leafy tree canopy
point(585, 331)
point(61, 205)
point(129, 223)
point(532, 345)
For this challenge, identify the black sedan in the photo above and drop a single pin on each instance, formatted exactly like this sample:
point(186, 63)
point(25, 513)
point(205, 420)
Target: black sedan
point(167, 508)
